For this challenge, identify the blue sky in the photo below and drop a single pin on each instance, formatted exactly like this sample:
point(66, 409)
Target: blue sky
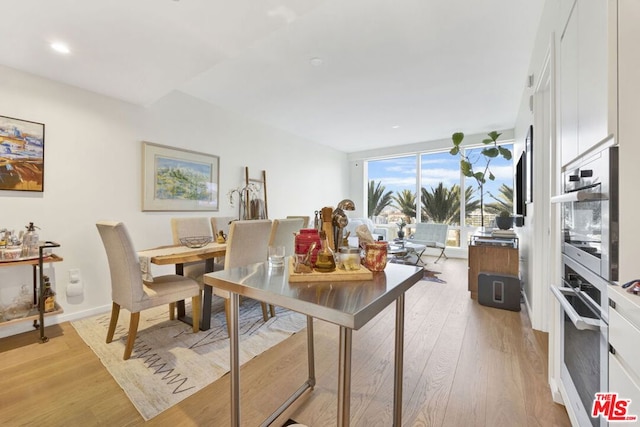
point(399, 173)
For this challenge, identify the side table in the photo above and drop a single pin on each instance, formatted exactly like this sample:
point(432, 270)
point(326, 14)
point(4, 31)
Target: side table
point(491, 255)
point(403, 251)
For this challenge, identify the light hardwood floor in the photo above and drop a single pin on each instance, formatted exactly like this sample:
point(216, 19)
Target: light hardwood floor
point(465, 365)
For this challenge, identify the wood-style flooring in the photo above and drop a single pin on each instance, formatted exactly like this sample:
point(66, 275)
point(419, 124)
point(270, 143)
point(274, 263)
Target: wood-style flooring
point(465, 365)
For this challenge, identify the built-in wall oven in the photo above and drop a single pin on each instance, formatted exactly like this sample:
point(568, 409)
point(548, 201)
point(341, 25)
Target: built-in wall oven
point(589, 221)
point(590, 212)
point(584, 335)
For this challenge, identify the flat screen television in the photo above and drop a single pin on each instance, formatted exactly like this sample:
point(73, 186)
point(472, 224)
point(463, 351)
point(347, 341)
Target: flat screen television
point(520, 193)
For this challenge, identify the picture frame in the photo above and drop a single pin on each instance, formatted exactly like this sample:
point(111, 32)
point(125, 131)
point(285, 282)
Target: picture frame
point(21, 155)
point(528, 149)
point(175, 179)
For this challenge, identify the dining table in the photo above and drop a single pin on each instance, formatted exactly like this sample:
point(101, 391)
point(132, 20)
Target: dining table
point(179, 255)
point(350, 304)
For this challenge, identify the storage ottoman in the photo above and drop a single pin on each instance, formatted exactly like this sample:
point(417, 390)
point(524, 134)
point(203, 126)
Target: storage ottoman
point(499, 291)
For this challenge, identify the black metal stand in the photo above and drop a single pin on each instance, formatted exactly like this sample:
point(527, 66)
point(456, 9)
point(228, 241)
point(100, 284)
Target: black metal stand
point(40, 301)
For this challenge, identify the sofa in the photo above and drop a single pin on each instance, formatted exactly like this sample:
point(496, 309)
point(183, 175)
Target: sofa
point(377, 232)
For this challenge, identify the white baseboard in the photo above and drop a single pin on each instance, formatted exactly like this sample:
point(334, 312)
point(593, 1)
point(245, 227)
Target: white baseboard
point(27, 326)
point(556, 395)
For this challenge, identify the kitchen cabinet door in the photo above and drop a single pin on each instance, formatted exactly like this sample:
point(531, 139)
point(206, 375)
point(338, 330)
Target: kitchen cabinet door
point(592, 73)
point(569, 90)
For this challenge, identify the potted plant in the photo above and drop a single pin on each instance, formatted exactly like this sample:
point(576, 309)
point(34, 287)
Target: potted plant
point(483, 159)
point(504, 220)
point(401, 226)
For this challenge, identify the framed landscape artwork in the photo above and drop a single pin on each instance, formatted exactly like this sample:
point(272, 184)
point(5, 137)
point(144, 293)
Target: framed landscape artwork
point(178, 180)
point(21, 155)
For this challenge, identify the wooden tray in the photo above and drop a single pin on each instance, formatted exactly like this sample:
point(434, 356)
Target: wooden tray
point(337, 275)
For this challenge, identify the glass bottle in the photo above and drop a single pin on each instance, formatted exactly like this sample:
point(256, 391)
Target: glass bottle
point(30, 241)
point(48, 296)
point(325, 261)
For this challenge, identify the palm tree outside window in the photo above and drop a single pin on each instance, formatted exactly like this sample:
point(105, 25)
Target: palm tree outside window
point(445, 196)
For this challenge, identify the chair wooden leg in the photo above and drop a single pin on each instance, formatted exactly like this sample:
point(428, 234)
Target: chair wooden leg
point(133, 330)
point(227, 312)
point(115, 312)
point(265, 314)
point(195, 312)
point(172, 311)
point(272, 310)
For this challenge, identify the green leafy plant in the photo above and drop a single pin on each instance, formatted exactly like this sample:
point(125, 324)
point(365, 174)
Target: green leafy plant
point(505, 214)
point(482, 161)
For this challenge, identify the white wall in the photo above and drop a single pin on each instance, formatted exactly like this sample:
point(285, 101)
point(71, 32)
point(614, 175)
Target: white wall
point(537, 246)
point(93, 172)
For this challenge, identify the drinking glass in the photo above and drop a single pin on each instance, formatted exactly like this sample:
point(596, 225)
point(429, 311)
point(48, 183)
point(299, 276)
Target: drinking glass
point(276, 256)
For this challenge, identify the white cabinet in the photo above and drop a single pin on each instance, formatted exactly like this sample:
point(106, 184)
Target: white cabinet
point(569, 90)
point(565, 11)
point(592, 73)
point(624, 347)
point(583, 77)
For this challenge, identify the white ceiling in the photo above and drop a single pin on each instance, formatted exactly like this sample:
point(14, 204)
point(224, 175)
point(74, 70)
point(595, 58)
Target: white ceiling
point(427, 67)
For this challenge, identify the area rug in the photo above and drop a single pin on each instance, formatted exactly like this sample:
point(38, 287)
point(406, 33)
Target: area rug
point(431, 276)
point(169, 362)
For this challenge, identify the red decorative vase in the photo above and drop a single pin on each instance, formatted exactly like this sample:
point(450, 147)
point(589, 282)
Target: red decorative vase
point(303, 241)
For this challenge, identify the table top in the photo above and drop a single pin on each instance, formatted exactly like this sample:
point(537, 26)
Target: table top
point(177, 254)
point(346, 303)
point(407, 244)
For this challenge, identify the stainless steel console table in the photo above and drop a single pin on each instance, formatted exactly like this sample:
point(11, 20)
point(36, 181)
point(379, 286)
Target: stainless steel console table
point(348, 304)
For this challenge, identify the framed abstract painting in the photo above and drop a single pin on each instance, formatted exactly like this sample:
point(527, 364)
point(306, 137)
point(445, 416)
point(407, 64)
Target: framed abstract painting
point(21, 155)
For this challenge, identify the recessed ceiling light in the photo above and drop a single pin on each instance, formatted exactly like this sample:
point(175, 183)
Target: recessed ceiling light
point(316, 62)
point(395, 127)
point(60, 47)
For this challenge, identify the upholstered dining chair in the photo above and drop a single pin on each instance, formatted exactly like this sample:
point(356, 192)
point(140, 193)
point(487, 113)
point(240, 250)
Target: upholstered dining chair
point(305, 219)
point(221, 223)
point(283, 233)
point(130, 292)
point(247, 243)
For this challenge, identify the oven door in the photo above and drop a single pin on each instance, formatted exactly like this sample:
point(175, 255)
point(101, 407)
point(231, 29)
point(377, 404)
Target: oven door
point(583, 354)
point(584, 336)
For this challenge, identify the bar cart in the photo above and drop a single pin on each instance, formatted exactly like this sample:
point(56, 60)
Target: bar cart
point(36, 313)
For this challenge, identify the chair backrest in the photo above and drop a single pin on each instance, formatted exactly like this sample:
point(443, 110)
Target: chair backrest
point(305, 219)
point(221, 223)
point(124, 266)
point(190, 227)
point(247, 242)
point(431, 232)
point(283, 233)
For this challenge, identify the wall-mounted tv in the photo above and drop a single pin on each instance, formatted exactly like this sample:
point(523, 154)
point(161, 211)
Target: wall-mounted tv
point(520, 193)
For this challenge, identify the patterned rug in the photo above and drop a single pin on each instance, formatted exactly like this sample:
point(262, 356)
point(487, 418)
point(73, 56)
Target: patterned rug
point(169, 362)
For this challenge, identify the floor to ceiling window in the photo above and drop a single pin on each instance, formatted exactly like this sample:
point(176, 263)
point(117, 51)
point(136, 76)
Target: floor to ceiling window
point(439, 193)
point(392, 187)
